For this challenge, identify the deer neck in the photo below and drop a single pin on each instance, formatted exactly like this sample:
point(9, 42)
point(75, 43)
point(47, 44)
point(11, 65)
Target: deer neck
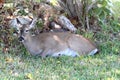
point(28, 38)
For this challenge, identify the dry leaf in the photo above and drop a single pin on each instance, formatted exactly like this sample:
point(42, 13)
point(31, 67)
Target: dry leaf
point(29, 76)
point(9, 60)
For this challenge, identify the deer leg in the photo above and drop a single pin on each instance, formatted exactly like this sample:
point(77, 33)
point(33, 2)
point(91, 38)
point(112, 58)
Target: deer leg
point(45, 53)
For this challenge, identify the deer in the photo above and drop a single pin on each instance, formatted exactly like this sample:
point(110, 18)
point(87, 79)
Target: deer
point(54, 44)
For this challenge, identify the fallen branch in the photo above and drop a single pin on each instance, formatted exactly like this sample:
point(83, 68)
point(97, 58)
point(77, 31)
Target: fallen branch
point(66, 23)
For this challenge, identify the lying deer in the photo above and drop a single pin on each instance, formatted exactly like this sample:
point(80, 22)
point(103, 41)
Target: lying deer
point(54, 43)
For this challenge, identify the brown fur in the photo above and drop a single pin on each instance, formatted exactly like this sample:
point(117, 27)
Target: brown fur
point(49, 43)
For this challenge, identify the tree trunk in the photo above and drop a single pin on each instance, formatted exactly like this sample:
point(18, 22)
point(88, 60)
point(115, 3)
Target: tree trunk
point(79, 9)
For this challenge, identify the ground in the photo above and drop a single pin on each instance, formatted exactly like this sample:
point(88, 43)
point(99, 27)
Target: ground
point(98, 67)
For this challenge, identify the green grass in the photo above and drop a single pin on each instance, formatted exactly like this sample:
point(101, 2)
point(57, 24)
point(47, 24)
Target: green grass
point(103, 66)
point(116, 8)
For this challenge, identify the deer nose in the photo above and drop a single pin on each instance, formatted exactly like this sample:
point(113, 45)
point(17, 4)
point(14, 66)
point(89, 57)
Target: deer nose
point(20, 38)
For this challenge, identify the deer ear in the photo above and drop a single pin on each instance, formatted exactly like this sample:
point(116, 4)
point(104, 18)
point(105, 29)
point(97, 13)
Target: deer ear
point(19, 25)
point(15, 23)
point(32, 24)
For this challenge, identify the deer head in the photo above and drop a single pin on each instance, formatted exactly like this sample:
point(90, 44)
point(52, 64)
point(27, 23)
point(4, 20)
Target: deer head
point(23, 29)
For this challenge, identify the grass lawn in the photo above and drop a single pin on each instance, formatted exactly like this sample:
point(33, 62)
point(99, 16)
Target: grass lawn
point(103, 66)
point(116, 7)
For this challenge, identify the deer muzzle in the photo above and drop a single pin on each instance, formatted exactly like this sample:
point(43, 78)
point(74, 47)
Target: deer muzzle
point(21, 39)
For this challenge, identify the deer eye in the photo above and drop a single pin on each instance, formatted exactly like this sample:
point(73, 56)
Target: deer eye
point(18, 31)
point(27, 30)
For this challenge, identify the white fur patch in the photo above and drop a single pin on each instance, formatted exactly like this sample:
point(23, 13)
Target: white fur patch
point(72, 53)
point(93, 52)
point(67, 52)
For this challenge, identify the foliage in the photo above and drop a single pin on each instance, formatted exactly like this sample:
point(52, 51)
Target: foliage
point(103, 11)
point(85, 10)
point(6, 36)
